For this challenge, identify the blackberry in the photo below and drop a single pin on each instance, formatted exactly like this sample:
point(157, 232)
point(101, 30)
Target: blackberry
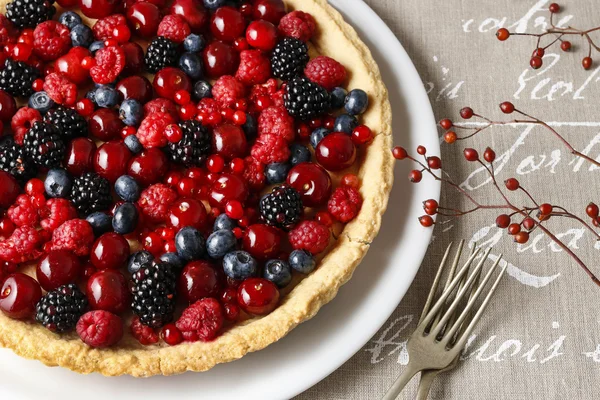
point(305, 99)
point(60, 309)
point(282, 207)
point(153, 293)
point(15, 161)
point(44, 145)
point(17, 77)
point(30, 13)
point(90, 193)
point(289, 58)
point(68, 121)
point(161, 53)
point(193, 147)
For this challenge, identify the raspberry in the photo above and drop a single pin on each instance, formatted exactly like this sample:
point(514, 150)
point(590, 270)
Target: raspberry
point(143, 333)
point(8, 32)
point(150, 132)
point(161, 105)
point(254, 173)
point(100, 328)
point(207, 106)
point(174, 28)
point(344, 204)
point(267, 89)
point(110, 61)
point(269, 149)
point(60, 89)
point(156, 201)
point(56, 212)
point(297, 24)
point(51, 40)
point(255, 68)
point(103, 28)
point(325, 71)
point(201, 321)
point(310, 236)
point(22, 121)
point(276, 121)
point(75, 235)
point(23, 212)
point(227, 90)
point(21, 246)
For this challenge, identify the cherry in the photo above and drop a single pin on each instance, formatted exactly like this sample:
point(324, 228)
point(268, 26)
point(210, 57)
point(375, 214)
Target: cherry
point(134, 57)
point(187, 212)
point(227, 24)
point(153, 243)
point(312, 182)
point(97, 8)
point(199, 279)
point(262, 35)
point(227, 187)
point(229, 295)
point(9, 188)
point(57, 268)
point(171, 335)
point(169, 81)
point(148, 167)
point(84, 107)
point(258, 296)
point(79, 157)
point(192, 11)
point(18, 296)
point(105, 124)
point(111, 160)
point(107, 290)
point(336, 152)
point(220, 59)
point(232, 311)
point(109, 251)
point(362, 134)
point(136, 87)
point(269, 10)
point(262, 241)
point(144, 17)
point(69, 65)
point(67, 3)
point(229, 141)
point(8, 106)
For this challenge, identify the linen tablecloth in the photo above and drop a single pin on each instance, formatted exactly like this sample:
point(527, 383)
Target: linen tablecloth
point(540, 338)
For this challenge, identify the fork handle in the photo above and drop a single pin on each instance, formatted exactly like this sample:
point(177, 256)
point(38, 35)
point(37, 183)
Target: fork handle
point(401, 382)
point(427, 378)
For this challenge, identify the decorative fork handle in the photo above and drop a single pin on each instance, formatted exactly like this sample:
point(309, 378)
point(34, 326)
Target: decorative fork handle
point(427, 378)
point(408, 373)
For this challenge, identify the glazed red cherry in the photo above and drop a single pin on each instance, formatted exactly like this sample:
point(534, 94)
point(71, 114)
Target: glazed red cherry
point(227, 24)
point(69, 65)
point(9, 188)
point(193, 12)
point(153, 243)
point(57, 268)
point(8, 106)
point(169, 81)
point(262, 35)
point(312, 182)
point(97, 8)
point(105, 124)
point(148, 167)
point(79, 157)
point(171, 335)
point(262, 241)
point(187, 212)
point(199, 279)
point(229, 141)
point(143, 18)
point(18, 296)
point(227, 187)
point(109, 251)
point(111, 160)
point(108, 291)
point(134, 57)
point(220, 59)
point(258, 296)
point(269, 10)
point(336, 152)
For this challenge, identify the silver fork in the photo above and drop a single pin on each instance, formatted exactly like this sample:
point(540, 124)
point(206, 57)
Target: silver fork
point(443, 331)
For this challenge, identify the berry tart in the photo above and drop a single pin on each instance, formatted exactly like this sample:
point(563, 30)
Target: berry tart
point(182, 182)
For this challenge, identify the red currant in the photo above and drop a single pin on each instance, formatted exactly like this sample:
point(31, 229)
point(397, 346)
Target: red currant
point(258, 296)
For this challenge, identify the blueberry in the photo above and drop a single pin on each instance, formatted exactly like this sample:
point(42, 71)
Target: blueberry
point(220, 243)
point(239, 265)
point(107, 96)
point(300, 154)
point(131, 112)
point(58, 183)
point(190, 244)
point(81, 35)
point(357, 102)
point(194, 43)
point(278, 272)
point(100, 222)
point(125, 219)
point(91, 95)
point(302, 261)
point(202, 90)
point(173, 259)
point(338, 98)
point(191, 64)
point(318, 135)
point(136, 260)
point(95, 46)
point(41, 102)
point(70, 19)
point(345, 123)
point(224, 222)
point(214, 4)
point(250, 127)
point(277, 172)
point(127, 188)
point(133, 144)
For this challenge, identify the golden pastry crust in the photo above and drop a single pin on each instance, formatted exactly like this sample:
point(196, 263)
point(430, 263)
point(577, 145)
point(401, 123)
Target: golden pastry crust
point(339, 40)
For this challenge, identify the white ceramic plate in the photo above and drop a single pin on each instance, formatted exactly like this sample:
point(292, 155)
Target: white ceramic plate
point(320, 346)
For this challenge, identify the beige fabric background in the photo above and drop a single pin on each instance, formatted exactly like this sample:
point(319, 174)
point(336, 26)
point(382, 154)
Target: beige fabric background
point(540, 339)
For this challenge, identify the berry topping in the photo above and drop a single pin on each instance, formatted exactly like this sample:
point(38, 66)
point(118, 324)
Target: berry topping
point(44, 145)
point(156, 201)
point(227, 90)
point(23, 212)
point(59, 310)
point(110, 61)
point(154, 293)
point(305, 99)
point(151, 130)
point(325, 71)
point(310, 236)
point(51, 40)
point(57, 268)
point(199, 279)
point(289, 59)
point(255, 68)
point(60, 89)
point(143, 333)
point(174, 28)
point(19, 293)
point(55, 213)
point(282, 207)
point(345, 203)
point(194, 145)
point(270, 148)
point(297, 24)
point(201, 321)
point(21, 246)
point(103, 28)
point(100, 329)
point(75, 235)
point(161, 53)
point(29, 13)
point(258, 296)
point(90, 193)
point(17, 78)
point(107, 290)
point(276, 121)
